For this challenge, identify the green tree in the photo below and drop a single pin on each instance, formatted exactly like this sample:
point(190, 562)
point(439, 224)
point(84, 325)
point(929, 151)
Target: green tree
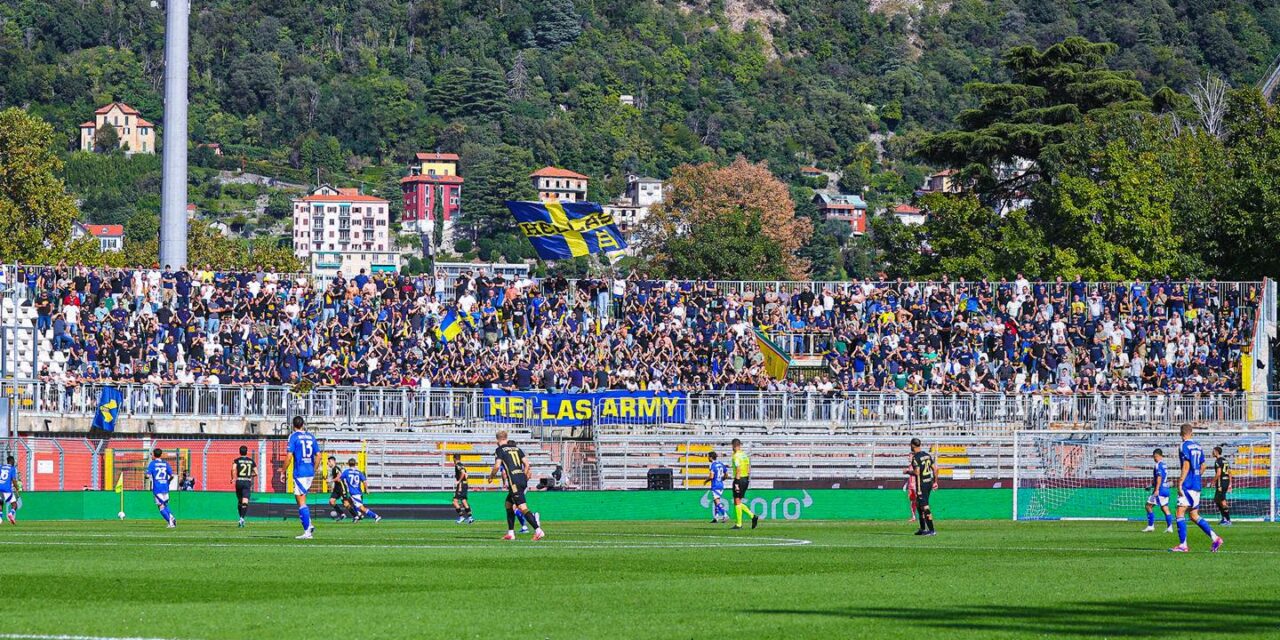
point(1111, 210)
point(106, 139)
point(1230, 189)
point(493, 176)
point(141, 227)
point(322, 152)
point(705, 202)
point(35, 211)
point(1048, 96)
point(734, 248)
point(207, 246)
point(279, 205)
point(558, 23)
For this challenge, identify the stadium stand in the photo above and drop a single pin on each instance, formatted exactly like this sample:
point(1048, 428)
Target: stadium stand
point(76, 324)
point(814, 461)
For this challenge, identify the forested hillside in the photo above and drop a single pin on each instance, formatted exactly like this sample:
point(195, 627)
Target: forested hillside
point(354, 87)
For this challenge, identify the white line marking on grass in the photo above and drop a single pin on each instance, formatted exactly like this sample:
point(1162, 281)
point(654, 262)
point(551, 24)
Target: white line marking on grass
point(570, 543)
point(36, 636)
point(925, 546)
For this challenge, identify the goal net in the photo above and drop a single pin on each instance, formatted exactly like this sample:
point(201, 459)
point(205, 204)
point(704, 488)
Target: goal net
point(1062, 475)
point(132, 465)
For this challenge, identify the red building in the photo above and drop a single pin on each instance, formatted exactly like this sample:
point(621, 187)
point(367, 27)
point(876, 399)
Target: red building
point(431, 176)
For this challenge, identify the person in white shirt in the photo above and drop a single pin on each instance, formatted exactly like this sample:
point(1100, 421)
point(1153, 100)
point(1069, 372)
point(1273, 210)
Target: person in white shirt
point(467, 303)
point(1059, 330)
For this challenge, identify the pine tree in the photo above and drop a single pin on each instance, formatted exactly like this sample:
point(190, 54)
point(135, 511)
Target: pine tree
point(558, 23)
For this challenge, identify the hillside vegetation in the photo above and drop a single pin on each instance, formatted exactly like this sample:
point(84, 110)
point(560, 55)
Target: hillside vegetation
point(351, 88)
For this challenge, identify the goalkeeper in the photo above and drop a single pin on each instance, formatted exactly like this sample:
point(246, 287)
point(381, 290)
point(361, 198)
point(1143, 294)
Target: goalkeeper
point(1159, 494)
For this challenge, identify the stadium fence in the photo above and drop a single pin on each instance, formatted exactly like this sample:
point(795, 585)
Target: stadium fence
point(443, 409)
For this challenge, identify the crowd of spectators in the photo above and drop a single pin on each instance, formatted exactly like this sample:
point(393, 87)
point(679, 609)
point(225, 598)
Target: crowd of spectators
point(202, 326)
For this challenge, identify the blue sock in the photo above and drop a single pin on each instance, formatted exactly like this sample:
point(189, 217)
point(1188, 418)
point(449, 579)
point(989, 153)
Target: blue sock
point(304, 512)
point(371, 514)
point(1182, 530)
point(1204, 526)
point(1168, 520)
point(1151, 519)
point(520, 517)
point(164, 513)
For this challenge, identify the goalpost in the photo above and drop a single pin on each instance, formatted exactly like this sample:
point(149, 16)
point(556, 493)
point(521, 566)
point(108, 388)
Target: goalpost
point(1106, 475)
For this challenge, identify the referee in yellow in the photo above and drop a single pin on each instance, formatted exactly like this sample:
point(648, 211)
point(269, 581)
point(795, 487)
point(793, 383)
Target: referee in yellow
point(741, 464)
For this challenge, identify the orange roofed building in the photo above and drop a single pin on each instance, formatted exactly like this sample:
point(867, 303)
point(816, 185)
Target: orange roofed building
point(110, 237)
point(554, 183)
point(136, 134)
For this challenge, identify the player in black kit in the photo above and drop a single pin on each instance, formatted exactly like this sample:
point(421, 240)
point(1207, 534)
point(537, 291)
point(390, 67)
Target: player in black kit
point(338, 503)
point(1222, 485)
point(244, 470)
point(460, 504)
point(511, 462)
point(924, 475)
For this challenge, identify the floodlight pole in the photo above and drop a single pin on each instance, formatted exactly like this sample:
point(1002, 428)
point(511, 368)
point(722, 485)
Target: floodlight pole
point(173, 192)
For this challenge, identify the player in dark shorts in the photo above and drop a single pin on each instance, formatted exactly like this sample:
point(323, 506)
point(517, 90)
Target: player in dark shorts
point(460, 504)
point(514, 466)
point(925, 476)
point(1222, 484)
point(243, 472)
point(337, 491)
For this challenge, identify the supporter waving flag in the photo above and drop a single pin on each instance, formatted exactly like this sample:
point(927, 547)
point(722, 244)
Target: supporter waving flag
point(776, 361)
point(449, 327)
point(562, 230)
point(108, 409)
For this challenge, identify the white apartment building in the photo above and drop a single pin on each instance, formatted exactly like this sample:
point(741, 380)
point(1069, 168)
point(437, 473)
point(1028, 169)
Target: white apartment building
point(343, 230)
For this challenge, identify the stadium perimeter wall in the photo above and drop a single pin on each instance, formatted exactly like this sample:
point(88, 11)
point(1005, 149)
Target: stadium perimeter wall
point(771, 504)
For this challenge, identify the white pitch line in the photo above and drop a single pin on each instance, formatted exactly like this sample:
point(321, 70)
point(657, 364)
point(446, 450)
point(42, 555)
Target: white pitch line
point(36, 636)
point(925, 546)
point(562, 544)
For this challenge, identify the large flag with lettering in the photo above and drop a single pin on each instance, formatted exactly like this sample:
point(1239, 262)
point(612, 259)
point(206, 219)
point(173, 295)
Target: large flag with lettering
point(108, 409)
point(561, 230)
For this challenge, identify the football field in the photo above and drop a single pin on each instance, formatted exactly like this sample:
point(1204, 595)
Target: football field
point(135, 579)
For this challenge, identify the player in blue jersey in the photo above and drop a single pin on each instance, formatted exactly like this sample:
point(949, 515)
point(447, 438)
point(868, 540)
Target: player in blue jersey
point(9, 490)
point(302, 454)
point(357, 483)
point(718, 472)
point(161, 474)
point(1191, 457)
point(1159, 494)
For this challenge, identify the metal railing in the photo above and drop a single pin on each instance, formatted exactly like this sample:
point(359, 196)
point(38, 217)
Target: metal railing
point(357, 408)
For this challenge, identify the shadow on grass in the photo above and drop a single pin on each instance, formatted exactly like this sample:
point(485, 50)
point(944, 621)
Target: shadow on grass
point(1105, 619)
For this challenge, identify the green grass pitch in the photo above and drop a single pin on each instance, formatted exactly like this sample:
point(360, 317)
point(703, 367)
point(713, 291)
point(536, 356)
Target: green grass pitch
point(207, 580)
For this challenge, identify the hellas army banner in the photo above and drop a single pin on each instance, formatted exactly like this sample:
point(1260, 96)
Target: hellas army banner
point(577, 409)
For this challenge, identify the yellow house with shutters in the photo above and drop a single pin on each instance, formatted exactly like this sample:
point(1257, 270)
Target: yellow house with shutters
point(136, 134)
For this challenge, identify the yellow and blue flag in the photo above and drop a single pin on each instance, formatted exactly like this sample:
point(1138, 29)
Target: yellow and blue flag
point(449, 327)
point(562, 230)
point(108, 409)
point(776, 361)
